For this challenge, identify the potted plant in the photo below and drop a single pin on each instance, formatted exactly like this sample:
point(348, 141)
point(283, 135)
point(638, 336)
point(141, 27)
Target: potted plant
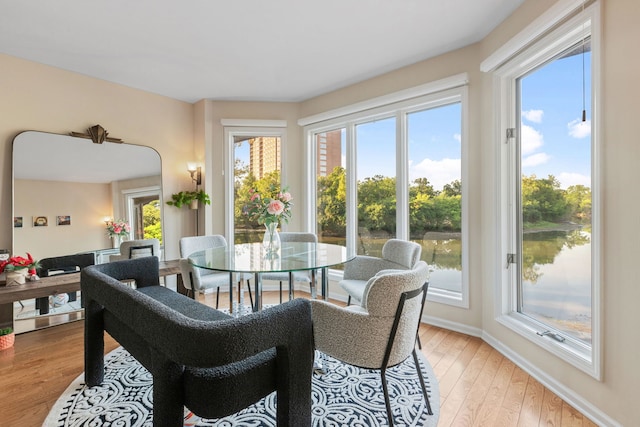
point(189, 198)
point(7, 338)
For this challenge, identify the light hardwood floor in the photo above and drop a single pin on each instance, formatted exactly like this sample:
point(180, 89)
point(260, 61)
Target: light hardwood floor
point(478, 386)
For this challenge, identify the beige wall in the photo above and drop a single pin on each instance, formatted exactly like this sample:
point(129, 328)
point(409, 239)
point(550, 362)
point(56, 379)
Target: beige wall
point(42, 98)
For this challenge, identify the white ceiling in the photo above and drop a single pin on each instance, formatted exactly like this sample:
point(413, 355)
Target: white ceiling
point(262, 50)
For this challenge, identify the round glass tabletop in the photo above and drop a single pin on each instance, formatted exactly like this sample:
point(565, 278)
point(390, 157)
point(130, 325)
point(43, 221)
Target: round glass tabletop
point(253, 258)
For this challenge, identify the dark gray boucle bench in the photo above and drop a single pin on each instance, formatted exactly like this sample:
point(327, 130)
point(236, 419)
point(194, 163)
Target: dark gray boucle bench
point(199, 357)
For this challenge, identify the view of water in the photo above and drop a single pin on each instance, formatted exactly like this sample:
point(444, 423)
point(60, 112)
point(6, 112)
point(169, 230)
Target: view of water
point(557, 280)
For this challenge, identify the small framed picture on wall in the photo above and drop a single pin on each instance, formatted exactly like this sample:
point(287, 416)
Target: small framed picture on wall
point(40, 221)
point(63, 220)
point(17, 222)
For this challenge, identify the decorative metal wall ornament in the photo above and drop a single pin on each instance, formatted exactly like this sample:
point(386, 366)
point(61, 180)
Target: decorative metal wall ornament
point(97, 134)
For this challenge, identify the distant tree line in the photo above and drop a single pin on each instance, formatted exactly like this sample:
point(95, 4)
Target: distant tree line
point(544, 201)
point(429, 209)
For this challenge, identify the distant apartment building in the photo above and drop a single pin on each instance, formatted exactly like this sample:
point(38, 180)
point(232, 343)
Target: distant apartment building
point(329, 151)
point(264, 155)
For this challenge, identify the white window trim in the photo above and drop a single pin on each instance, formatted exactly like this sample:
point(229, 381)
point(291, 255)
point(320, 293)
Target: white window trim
point(588, 359)
point(230, 131)
point(430, 95)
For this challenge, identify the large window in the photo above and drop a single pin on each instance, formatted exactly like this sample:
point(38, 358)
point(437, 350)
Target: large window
point(549, 198)
point(254, 156)
point(396, 171)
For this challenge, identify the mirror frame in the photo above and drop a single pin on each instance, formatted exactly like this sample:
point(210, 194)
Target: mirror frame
point(31, 154)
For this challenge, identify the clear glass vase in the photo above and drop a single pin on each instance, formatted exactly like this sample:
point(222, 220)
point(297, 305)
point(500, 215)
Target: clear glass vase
point(271, 240)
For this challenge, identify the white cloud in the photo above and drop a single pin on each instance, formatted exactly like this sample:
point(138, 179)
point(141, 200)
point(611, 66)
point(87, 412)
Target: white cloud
point(457, 137)
point(579, 129)
point(567, 179)
point(531, 140)
point(438, 172)
point(534, 116)
point(535, 160)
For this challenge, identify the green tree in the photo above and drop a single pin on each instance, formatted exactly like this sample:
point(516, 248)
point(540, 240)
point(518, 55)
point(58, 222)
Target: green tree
point(542, 199)
point(377, 203)
point(422, 186)
point(332, 202)
point(578, 198)
point(453, 189)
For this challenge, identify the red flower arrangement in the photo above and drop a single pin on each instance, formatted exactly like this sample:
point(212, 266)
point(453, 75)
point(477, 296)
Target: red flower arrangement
point(20, 263)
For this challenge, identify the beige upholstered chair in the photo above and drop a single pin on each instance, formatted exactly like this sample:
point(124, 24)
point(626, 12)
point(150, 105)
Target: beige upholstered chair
point(381, 332)
point(198, 279)
point(130, 249)
point(294, 276)
point(396, 255)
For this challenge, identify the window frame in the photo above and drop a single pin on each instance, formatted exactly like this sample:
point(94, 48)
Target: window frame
point(253, 128)
point(580, 23)
point(432, 95)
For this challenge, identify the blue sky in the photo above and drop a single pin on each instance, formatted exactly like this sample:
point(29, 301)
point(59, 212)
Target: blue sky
point(434, 146)
point(554, 138)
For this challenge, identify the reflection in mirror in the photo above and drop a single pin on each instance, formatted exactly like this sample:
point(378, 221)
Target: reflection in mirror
point(65, 188)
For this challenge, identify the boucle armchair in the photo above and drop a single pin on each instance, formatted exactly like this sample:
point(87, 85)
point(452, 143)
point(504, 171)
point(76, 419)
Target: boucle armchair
point(396, 255)
point(199, 357)
point(381, 332)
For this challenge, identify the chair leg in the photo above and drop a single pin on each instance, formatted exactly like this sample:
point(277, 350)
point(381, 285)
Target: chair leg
point(250, 295)
point(281, 292)
point(424, 388)
point(291, 283)
point(419, 342)
point(387, 402)
point(312, 285)
point(217, 296)
point(349, 300)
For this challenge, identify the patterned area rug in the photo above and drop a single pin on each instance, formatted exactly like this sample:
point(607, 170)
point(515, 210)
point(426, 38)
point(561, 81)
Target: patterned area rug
point(343, 396)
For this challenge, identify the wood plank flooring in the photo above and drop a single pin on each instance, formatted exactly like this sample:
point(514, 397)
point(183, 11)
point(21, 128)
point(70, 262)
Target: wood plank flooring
point(478, 386)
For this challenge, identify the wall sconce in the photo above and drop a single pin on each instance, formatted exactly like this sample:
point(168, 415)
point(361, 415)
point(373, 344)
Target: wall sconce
point(107, 220)
point(196, 173)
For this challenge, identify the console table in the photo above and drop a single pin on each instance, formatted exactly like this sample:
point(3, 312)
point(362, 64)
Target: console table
point(58, 284)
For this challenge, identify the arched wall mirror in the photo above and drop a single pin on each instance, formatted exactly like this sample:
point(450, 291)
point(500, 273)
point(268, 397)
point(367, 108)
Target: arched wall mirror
point(66, 187)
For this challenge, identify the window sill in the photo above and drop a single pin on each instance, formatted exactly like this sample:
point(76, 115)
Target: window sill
point(570, 350)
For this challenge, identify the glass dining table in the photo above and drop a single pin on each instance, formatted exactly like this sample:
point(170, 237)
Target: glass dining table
point(254, 259)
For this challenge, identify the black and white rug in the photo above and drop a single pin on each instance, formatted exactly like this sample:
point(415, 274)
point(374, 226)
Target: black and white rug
point(343, 396)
